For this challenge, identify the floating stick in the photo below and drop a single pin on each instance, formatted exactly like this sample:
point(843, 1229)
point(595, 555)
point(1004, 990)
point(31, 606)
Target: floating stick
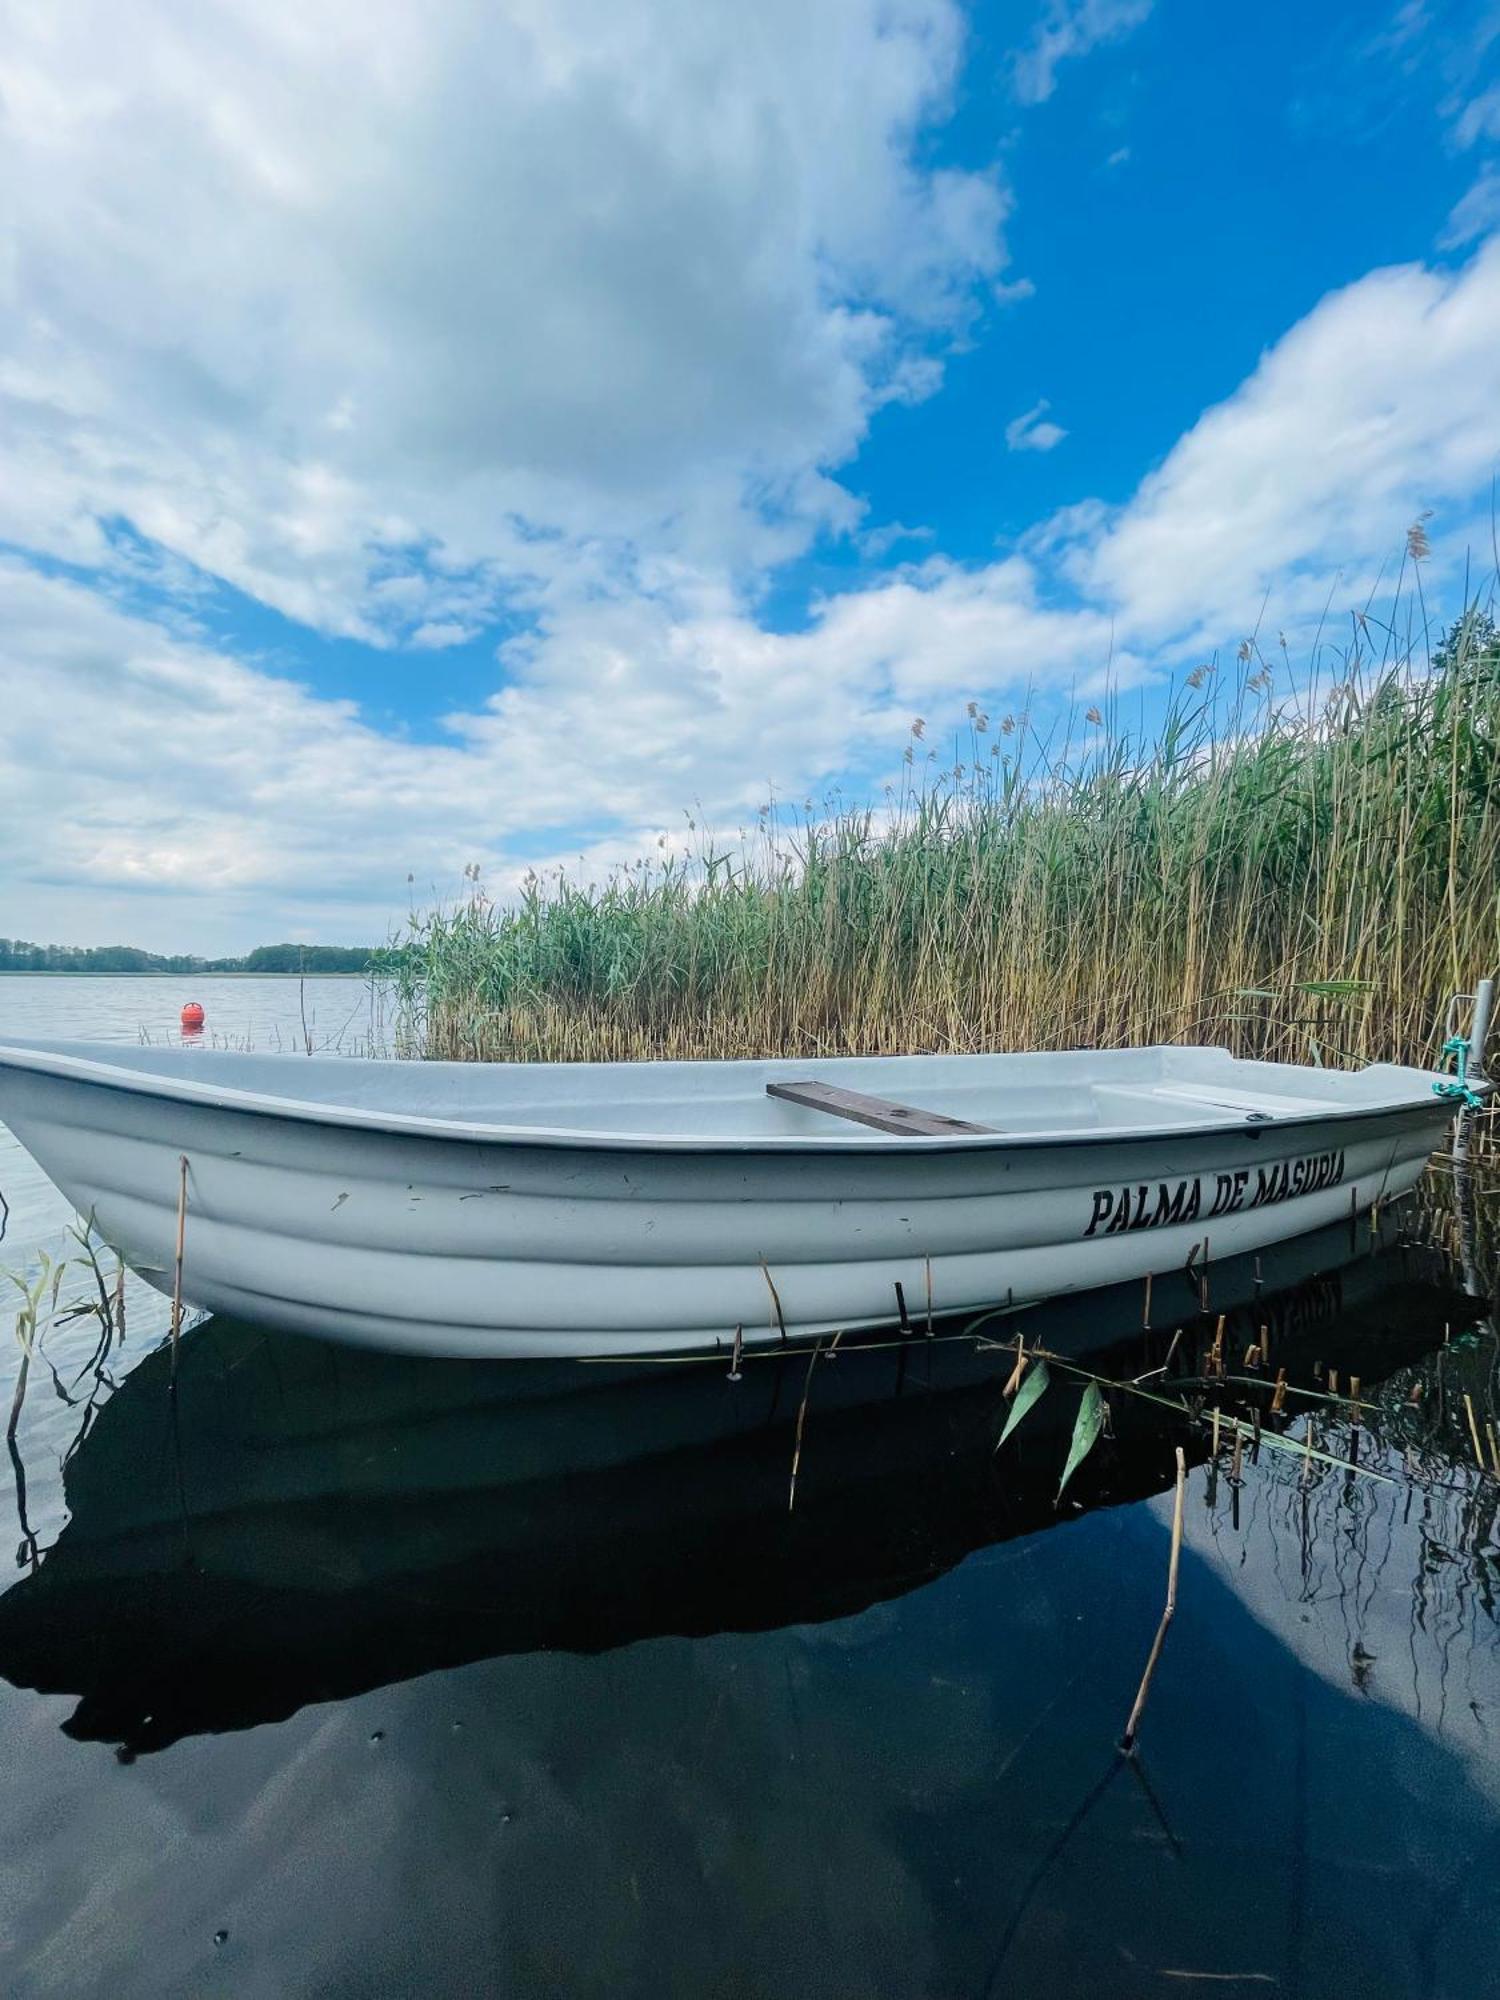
point(177, 1267)
point(901, 1308)
point(791, 1495)
point(1474, 1431)
point(1132, 1727)
point(1235, 1480)
point(1278, 1398)
point(775, 1297)
point(927, 1269)
point(734, 1359)
point(1146, 1306)
point(1018, 1371)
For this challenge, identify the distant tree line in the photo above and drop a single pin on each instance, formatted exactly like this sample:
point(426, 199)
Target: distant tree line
point(17, 955)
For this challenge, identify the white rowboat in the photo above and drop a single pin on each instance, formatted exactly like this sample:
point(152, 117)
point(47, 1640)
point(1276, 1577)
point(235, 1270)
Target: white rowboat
point(585, 1209)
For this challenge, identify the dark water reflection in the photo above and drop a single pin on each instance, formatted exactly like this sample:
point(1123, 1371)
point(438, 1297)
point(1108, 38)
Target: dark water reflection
point(342, 1674)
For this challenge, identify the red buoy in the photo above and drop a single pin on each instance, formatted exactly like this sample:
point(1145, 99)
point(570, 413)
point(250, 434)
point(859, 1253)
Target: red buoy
point(192, 1018)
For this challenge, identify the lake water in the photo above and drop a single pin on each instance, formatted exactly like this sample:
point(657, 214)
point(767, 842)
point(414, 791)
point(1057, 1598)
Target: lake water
point(345, 1675)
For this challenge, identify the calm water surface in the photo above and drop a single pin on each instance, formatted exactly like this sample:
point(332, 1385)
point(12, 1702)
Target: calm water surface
point(340, 1674)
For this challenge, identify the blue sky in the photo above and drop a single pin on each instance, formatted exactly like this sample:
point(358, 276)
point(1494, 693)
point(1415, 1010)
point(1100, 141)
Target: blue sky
point(478, 436)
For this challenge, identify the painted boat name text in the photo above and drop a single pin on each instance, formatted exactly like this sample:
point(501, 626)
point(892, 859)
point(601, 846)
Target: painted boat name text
point(1158, 1204)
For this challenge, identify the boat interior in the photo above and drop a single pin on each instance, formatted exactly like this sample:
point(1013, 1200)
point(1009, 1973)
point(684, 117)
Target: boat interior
point(841, 1099)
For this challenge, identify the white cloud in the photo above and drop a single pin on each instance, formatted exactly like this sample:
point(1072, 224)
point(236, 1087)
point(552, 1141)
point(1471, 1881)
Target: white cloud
point(1033, 431)
point(484, 298)
point(1476, 213)
point(875, 543)
point(1479, 118)
point(1383, 401)
point(183, 786)
point(1070, 28)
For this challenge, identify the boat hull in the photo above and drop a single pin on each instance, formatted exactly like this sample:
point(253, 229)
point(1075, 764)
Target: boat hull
point(471, 1246)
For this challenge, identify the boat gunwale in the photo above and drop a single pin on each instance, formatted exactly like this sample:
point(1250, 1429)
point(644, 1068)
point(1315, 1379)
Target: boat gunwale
point(397, 1124)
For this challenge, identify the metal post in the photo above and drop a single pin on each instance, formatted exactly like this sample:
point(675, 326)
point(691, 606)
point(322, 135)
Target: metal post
point(1479, 1029)
point(1479, 1025)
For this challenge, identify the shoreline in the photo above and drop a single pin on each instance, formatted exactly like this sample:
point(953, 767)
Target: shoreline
point(61, 972)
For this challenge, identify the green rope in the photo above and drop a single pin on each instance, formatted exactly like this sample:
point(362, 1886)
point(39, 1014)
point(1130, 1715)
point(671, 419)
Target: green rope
point(1459, 1085)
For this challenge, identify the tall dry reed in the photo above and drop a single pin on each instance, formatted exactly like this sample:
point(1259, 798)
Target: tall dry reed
point(1307, 879)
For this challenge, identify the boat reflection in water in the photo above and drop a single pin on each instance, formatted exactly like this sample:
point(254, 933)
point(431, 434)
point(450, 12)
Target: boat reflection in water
point(301, 1522)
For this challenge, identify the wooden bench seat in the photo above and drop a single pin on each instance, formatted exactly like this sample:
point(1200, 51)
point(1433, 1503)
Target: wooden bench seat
point(877, 1112)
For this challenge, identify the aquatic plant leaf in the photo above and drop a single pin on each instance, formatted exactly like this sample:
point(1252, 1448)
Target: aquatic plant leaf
point(1026, 1395)
point(1086, 1428)
point(1296, 1448)
point(1271, 1440)
point(1335, 989)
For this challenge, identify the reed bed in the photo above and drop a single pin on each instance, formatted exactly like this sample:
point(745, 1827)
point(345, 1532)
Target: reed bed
point(1306, 878)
